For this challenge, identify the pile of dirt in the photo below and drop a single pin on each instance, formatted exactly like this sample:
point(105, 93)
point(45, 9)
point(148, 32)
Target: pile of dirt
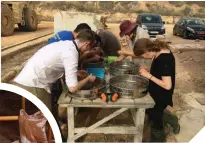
point(190, 73)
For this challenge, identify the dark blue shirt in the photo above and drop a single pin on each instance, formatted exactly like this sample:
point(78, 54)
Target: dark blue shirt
point(62, 35)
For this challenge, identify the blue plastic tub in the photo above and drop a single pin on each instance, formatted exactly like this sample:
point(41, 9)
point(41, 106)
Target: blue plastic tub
point(98, 72)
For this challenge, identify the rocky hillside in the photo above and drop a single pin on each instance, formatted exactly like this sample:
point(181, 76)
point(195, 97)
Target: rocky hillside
point(165, 8)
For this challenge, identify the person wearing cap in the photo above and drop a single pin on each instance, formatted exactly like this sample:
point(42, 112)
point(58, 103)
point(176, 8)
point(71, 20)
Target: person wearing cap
point(51, 62)
point(134, 32)
point(68, 35)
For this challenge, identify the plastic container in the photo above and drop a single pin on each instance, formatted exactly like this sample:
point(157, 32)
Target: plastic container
point(98, 72)
point(111, 59)
point(99, 64)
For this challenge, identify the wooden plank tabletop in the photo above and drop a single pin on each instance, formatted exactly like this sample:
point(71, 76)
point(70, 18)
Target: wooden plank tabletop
point(143, 102)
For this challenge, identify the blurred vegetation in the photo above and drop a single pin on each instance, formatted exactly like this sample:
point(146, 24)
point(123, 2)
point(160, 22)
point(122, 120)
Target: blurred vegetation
point(126, 7)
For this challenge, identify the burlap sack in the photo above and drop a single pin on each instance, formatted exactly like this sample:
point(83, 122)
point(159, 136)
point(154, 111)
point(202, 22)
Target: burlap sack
point(32, 127)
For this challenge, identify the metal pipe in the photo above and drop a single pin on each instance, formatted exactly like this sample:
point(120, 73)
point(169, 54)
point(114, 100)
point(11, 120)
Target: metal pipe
point(9, 118)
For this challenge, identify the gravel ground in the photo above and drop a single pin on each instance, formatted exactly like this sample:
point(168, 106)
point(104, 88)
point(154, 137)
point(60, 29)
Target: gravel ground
point(16, 60)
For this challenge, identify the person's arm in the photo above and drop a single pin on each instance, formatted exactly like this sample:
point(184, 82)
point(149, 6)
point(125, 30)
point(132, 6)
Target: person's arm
point(81, 84)
point(165, 83)
point(120, 58)
point(123, 54)
point(86, 55)
point(92, 59)
point(126, 53)
point(70, 67)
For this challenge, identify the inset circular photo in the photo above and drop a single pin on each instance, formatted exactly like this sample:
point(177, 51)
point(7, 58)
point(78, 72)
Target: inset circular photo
point(24, 120)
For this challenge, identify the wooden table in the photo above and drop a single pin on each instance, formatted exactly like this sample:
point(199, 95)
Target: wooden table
point(136, 106)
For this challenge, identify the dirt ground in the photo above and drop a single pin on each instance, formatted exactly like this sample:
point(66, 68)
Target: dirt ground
point(190, 75)
point(190, 71)
point(14, 60)
point(20, 36)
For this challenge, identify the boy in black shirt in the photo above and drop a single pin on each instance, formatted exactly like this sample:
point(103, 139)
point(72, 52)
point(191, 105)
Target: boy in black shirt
point(161, 81)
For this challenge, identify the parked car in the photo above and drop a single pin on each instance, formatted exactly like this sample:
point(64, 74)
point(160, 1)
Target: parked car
point(189, 28)
point(152, 23)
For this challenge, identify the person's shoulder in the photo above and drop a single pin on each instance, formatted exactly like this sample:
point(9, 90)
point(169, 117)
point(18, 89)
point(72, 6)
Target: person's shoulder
point(67, 43)
point(166, 57)
point(68, 48)
point(64, 31)
point(108, 33)
point(140, 28)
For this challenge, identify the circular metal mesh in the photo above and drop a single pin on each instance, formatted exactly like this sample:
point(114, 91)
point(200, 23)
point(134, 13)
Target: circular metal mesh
point(87, 90)
point(124, 67)
point(129, 86)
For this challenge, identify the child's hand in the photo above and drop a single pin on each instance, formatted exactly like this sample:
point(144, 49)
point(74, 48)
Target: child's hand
point(143, 72)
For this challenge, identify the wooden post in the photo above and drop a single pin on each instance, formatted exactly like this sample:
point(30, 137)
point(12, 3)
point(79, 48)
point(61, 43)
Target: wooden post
point(9, 118)
point(116, 113)
point(23, 105)
point(70, 113)
point(139, 122)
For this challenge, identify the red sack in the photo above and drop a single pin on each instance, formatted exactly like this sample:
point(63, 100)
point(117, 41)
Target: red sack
point(32, 127)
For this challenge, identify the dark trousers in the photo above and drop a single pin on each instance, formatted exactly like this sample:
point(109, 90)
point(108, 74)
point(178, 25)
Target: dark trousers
point(56, 90)
point(155, 116)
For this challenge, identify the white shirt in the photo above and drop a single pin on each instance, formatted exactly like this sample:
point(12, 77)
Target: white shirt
point(49, 64)
point(140, 33)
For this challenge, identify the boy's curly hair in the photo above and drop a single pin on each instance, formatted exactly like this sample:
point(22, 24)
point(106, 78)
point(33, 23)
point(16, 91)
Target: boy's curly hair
point(146, 45)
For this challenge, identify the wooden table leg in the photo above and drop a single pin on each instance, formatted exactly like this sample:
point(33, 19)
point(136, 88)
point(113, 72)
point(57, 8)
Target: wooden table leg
point(139, 122)
point(70, 113)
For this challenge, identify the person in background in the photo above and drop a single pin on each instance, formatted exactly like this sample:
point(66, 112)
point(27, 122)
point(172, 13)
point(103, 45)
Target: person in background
point(68, 35)
point(134, 32)
point(51, 62)
point(109, 42)
point(93, 55)
point(161, 84)
point(103, 19)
